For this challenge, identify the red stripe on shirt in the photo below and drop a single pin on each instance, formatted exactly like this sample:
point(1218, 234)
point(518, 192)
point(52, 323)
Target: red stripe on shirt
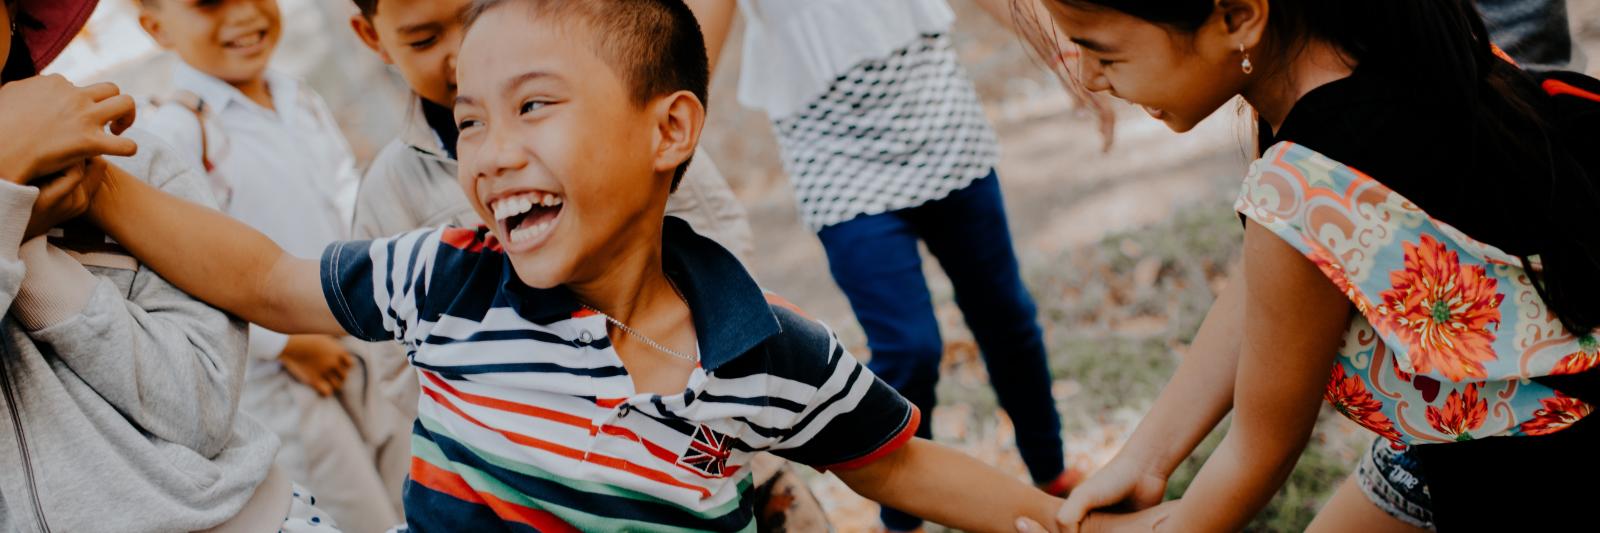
point(593, 458)
point(660, 452)
point(450, 483)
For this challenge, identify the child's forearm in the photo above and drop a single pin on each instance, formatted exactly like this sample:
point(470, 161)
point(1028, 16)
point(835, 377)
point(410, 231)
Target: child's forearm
point(951, 488)
point(1199, 394)
point(213, 257)
point(1297, 321)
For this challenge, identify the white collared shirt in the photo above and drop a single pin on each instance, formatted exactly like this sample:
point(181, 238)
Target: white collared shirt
point(287, 171)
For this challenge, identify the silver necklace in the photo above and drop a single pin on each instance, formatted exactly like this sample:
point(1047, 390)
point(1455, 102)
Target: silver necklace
point(647, 340)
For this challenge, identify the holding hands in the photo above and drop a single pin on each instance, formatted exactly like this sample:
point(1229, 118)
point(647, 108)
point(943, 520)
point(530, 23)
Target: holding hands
point(54, 134)
point(1122, 496)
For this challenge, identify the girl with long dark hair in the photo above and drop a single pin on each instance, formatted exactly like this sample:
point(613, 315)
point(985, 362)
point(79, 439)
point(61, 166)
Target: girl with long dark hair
point(1419, 251)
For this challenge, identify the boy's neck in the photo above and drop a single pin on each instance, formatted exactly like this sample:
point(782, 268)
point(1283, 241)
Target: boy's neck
point(633, 284)
point(256, 90)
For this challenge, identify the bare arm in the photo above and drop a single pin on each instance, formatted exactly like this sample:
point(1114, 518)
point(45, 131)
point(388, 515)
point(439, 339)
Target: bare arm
point(716, 21)
point(213, 257)
point(950, 488)
point(1296, 320)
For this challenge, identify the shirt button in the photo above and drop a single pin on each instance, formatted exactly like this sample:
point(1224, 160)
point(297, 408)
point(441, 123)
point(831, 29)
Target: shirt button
point(585, 337)
point(623, 411)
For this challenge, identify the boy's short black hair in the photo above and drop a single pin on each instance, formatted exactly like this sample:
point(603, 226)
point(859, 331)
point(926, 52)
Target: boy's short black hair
point(367, 7)
point(655, 45)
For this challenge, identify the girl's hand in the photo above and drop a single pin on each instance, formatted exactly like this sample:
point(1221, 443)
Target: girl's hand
point(65, 196)
point(50, 124)
point(1123, 483)
point(1146, 520)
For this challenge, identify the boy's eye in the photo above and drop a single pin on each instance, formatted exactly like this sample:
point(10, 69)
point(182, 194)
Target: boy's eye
point(1106, 63)
point(465, 124)
point(425, 43)
point(531, 106)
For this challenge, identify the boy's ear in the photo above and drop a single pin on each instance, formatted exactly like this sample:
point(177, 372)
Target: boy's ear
point(369, 36)
point(679, 120)
point(152, 27)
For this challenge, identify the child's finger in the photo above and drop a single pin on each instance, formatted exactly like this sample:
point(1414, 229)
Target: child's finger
point(101, 91)
point(113, 145)
point(1027, 525)
point(114, 109)
point(56, 188)
point(123, 122)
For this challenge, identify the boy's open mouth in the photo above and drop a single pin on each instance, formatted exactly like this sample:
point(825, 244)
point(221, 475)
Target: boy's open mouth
point(246, 41)
point(526, 217)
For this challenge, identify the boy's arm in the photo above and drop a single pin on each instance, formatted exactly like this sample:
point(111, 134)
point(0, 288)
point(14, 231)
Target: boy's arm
point(172, 365)
point(214, 257)
point(951, 488)
point(857, 426)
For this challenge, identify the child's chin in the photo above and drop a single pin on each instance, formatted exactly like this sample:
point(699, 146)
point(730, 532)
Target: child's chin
point(539, 274)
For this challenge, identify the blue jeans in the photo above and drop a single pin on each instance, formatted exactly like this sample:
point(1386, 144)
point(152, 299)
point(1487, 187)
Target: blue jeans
point(875, 260)
point(1534, 32)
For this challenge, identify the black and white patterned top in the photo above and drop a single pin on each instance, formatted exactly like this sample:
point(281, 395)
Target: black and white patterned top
point(889, 134)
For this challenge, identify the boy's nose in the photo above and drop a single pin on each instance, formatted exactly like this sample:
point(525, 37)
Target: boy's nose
point(503, 154)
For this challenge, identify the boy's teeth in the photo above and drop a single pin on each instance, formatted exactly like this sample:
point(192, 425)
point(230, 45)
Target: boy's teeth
point(523, 234)
point(510, 207)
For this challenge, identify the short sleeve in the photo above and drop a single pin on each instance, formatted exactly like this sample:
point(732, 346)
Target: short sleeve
point(375, 288)
point(854, 418)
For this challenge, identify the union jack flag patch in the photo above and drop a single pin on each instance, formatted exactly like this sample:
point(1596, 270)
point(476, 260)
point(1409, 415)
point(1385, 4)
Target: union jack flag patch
point(708, 452)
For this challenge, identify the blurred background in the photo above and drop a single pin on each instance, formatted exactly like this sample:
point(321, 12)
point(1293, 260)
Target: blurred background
point(1123, 250)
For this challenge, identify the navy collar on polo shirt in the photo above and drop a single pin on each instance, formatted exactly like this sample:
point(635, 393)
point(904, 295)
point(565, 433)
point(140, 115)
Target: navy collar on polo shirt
point(731, 313)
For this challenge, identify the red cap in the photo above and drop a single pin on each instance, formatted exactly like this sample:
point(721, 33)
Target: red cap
point(59, 21)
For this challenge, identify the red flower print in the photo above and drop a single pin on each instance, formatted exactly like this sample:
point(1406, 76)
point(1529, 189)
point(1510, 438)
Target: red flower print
point(1350, 396)
point(1558, 413)
point(1462, 413)
point(1336, 273)
point(1442, 310)
point(1587, 357)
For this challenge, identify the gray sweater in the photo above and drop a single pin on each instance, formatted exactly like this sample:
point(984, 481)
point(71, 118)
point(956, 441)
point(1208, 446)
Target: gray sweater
point(120, 392)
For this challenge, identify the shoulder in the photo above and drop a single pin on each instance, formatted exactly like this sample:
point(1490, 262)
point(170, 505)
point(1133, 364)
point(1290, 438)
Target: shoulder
point(165, 167)
point(803, 350)
point(400, 166)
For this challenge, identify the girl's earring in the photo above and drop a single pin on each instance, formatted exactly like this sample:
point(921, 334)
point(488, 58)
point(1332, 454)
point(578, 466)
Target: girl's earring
point(1246, 66)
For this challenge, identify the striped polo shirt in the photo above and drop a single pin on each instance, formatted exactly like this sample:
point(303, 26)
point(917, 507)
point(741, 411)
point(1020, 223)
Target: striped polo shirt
point(528, 420)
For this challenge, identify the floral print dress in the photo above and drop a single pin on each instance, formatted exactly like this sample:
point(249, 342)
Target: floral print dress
point(1448, 332)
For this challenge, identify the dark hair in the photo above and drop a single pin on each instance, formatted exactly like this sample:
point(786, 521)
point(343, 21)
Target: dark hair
point(654, 45)
point(19, 65)
point(368, 7)
point(1440, 48)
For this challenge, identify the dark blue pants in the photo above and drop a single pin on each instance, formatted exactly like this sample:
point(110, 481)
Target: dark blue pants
point(875, 260)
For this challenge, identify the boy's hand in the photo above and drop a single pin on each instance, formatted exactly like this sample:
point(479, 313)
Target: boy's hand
point(65, 196)
point(51, 124)
point(318, 361)
point(1146, 520)
point(1122, 483)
